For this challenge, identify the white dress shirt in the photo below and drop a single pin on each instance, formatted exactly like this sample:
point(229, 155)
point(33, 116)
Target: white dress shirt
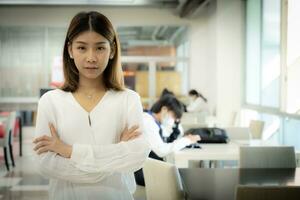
point(157, 145)
point(198, 105)
point(100, 167)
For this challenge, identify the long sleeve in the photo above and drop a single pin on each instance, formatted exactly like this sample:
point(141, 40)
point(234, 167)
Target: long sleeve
point(123, 157)
point(156, 143)
point(197, 106)
point(50, 164)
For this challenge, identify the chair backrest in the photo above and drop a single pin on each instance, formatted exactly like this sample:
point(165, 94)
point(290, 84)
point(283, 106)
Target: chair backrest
point(162, 181)
point(10, 125)
point(256, 128)
point(267, 157)
point(5, 138)
point(12, 120)
point(267, 192)
point(238, 133)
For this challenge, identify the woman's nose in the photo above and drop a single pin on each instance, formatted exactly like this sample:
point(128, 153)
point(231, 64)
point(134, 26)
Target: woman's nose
point(91, 56)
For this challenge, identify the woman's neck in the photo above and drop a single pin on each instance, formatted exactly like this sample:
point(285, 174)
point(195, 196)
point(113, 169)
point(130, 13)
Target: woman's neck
point(90, 84)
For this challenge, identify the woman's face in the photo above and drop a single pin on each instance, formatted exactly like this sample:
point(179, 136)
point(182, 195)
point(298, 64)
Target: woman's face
point(91, 53)
point(167, 119)
point(192, 98)
point(166, 113)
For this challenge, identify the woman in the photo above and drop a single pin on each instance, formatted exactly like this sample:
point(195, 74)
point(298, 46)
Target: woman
point(88, 133)
point(198, 103)
point(162, 115)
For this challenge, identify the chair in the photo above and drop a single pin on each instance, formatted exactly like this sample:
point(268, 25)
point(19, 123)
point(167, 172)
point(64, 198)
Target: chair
point(256, 128)
point(238, 133)
point(6, 141)
point(267, 157)
point(162, 181)
point(267, 192)
point(140, 193)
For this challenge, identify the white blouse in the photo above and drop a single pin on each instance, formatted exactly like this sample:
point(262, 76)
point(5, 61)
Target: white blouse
point(157, 145)
point(198, 105)
point(100, 167)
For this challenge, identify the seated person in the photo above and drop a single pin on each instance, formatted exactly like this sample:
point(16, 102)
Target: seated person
point(198, 103)
point(165, 91)
point(161, 116)
point(177, 130)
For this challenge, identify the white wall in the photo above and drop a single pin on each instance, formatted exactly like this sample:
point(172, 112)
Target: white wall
point(230, 37)
point(217, 57)
point(216, 42)
point(203, 76)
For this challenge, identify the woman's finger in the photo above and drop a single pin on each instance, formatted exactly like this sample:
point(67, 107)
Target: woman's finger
point(41, 144)
point(133, 128)
point(135, 132)
point(126, 128)
point(134, 135)
point(42, 138)
point(53, 131)
point(124, 131)
point(129, 134)
point(125, 136)
point(43, 150)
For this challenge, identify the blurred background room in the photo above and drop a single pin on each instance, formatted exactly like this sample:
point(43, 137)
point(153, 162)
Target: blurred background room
point(243, 56)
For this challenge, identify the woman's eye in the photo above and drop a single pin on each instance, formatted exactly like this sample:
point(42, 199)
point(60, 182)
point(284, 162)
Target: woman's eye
point(80, 48)
point(101, 48)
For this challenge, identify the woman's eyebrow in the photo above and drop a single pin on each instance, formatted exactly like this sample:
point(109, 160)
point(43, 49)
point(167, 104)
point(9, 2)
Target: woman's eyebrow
point(97, 43)
point(101, 42)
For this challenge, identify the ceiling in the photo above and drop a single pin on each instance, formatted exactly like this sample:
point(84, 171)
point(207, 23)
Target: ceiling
point(150, 35)
point(167, 3)
point(183, 8)
point(135, 35)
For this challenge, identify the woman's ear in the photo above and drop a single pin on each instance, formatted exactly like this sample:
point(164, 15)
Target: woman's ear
point(113, 51)
point(70, 50)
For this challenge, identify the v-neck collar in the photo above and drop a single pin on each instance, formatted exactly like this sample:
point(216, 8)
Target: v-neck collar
point(94, 108)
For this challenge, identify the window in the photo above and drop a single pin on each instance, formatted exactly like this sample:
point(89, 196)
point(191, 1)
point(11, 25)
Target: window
point(293, 58)
point(31, 58)
point(263, 53)
point(272, 71)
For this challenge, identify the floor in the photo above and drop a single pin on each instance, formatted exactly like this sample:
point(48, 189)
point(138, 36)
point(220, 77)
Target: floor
point(22, 182)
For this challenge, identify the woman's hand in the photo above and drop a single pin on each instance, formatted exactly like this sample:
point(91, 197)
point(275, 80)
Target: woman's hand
point(193, 138)
point(45, 143)
point(130, 134)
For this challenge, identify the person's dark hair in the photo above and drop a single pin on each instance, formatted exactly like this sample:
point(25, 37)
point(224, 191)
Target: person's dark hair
point(166, 92)
point(197, 94)
point(171, 103)
point(97, 22)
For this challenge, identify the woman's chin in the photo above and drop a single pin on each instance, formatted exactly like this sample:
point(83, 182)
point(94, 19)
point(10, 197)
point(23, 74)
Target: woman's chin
point(92, 76)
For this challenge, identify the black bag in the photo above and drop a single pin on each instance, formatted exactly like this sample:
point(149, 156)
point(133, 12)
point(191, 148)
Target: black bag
point(209, 135)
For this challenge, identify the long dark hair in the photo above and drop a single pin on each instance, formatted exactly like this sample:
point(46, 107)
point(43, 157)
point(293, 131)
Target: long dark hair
point(93, 21)
point(197, 94)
